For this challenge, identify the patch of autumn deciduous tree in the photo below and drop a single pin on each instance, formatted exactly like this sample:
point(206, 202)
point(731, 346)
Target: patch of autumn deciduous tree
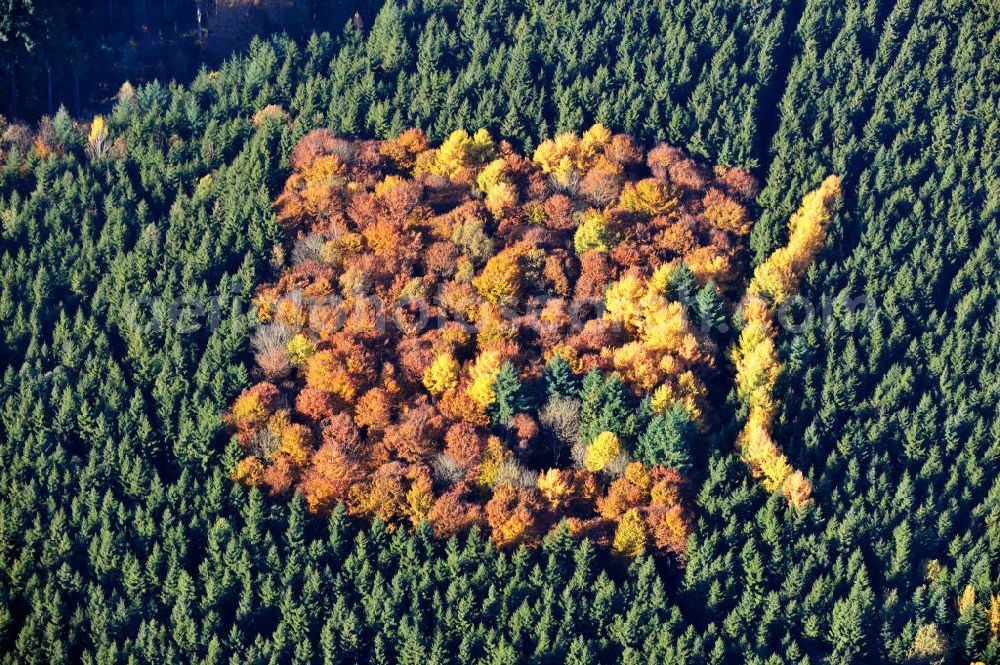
point(755, 354)
point(470, 337)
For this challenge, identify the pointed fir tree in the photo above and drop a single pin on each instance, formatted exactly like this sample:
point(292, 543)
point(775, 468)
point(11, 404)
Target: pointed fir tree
point(590, 395)
point(667, 439)
point(581, 653)
point(682, 285)
point(710, 311)
point(559, 378)
point(615, 412)
point(509, 397)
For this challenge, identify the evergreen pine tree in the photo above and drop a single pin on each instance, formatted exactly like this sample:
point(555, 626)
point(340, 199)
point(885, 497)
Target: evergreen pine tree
point(682, 285)
point(615, 414)
point(509, 398)
point(590, 395)
point(581, 653)
point(667, 439)
point(710, 311)
point(560, 379)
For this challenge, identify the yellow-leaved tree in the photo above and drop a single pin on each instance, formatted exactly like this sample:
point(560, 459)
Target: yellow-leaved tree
point(649, 197)
point(500, 281)
point(442, 375)
point(630, 536)
point(594, 233)
point(779, 276)
point(482, 375)
point(97, 141)
point(605, 448)
point(459, 151)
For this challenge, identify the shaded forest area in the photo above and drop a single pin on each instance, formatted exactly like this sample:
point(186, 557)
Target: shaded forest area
point(78, 54)
point(123, 537)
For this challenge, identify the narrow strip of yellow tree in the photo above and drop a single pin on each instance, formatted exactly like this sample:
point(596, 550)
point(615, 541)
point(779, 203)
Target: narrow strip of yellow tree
point(756, 354)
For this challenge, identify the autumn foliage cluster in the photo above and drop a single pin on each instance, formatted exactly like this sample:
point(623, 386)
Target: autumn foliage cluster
point(756, 356)
point(468, 336)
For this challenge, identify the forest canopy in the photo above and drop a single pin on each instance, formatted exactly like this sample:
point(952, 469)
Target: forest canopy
point(468, 336)
point(833, 493)
point(422, 354)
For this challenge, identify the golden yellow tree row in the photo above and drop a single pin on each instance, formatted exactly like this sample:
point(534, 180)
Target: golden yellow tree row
point(756, 354)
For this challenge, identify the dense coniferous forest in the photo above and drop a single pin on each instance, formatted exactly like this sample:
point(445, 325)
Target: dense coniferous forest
point(76, 54)
point(136, 246)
